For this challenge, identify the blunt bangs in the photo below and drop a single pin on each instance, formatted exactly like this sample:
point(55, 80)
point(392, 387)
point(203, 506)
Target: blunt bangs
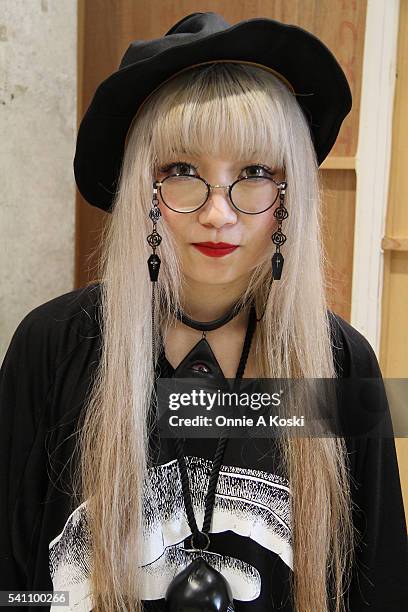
point(221, 110)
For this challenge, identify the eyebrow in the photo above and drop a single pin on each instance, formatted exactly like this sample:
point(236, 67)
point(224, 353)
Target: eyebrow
point(250, 159)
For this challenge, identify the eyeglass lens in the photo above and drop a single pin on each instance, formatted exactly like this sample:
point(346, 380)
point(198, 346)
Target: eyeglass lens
point(187, 193)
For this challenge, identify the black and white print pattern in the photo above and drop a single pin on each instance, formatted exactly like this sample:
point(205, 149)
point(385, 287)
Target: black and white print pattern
point(250, 503)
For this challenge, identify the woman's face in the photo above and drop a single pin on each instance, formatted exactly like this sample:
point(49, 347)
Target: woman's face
point(218, 221)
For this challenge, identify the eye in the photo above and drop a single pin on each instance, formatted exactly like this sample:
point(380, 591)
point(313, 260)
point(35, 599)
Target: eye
point(258, 170)
point(179, 167)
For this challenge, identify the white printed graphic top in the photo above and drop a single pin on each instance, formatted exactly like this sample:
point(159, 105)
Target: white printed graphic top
point(44, 539)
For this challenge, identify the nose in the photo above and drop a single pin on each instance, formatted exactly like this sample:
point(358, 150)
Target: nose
point(218, 209)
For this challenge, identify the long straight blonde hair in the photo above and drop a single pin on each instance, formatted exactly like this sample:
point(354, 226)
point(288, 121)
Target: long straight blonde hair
point(225, 110)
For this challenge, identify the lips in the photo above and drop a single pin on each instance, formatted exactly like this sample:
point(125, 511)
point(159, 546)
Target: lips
point(215, 249)
point(216, 245)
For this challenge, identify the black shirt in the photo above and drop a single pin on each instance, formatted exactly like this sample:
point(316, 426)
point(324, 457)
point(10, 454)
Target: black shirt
point(45, 375)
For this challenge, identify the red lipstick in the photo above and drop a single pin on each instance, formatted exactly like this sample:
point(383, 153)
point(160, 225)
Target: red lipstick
point(215, 249)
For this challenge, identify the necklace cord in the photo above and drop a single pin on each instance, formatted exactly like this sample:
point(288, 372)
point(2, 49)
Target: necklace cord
point(266, 301)
point(201, 537)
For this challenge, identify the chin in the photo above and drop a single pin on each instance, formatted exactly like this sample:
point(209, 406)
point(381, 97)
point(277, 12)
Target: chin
point(210, 278)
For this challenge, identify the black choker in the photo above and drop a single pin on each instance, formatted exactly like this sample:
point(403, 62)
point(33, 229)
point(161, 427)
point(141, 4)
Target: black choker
point(207, 325)
point(201, 360)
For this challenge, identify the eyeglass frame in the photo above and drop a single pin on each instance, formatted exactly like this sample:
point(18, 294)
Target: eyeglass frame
point(281, 189)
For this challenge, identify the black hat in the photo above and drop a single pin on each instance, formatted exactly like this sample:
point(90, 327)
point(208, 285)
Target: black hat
point(294, 55)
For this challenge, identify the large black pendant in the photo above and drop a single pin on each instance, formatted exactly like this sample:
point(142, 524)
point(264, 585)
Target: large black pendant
point(199, 588)
point(199, 362)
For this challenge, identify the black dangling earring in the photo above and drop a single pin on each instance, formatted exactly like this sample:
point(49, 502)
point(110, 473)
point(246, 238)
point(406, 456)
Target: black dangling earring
point(278, 238)
point(154, 239)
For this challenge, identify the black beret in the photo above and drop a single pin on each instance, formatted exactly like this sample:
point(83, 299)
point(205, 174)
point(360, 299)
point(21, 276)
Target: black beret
point(294, 55)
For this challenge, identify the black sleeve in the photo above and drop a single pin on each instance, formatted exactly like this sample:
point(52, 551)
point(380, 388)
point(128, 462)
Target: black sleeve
point(380, 575)
point(24, 385)
point(45, 340)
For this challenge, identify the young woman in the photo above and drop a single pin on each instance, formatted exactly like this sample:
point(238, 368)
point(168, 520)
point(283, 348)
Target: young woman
point(204, 146)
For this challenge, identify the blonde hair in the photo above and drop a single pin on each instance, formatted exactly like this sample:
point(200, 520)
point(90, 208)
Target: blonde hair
point(228, 110)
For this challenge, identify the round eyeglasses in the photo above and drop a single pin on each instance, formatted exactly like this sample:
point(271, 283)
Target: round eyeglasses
point(252, 195)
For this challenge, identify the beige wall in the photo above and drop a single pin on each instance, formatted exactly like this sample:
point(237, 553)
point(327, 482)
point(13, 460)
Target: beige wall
point(38, 88)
